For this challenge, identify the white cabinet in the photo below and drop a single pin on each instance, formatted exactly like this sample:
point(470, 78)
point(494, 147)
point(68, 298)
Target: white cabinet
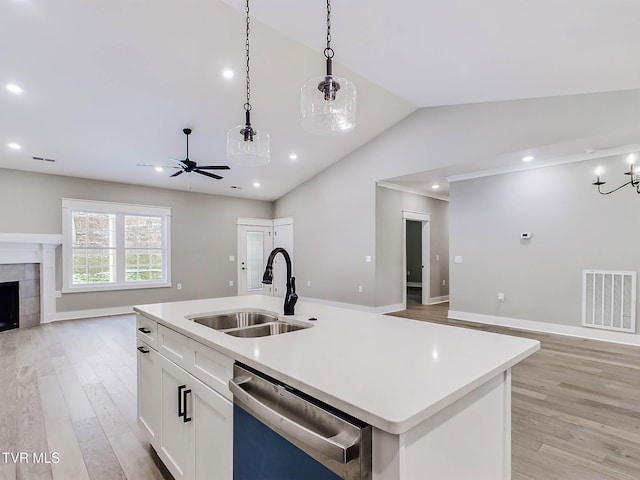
point(189, 423)
point(197, 434)
point(148, 391)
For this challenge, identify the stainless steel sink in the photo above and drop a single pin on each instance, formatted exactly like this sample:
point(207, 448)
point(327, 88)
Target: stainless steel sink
point(273, 328)
point(248, 324)
point(235, 320)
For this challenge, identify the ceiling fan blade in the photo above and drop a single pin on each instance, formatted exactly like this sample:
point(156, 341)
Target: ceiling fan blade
point(179, 162)
point(155, 166)
point(179, 172)
point(207, 174)
point(214, 167)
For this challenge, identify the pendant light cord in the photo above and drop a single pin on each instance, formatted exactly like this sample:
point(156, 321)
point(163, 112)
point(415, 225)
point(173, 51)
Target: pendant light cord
point(247, 106)
point(328, 52)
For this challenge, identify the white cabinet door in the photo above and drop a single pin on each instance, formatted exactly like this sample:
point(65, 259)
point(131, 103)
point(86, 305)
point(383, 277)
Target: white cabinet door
point(213, 429)
point(200, 447)
point(176, 439)
point(149, 392)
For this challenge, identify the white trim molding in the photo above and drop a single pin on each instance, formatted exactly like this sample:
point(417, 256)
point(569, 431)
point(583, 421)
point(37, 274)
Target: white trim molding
point(93, 313)
point(415, 191)
point(35, 248)
point(546, 327)
point(353, 306)
point(417, 216)
point(436, 300)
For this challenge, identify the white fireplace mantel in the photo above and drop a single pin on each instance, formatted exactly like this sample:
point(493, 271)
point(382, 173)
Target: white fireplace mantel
point(35, 248)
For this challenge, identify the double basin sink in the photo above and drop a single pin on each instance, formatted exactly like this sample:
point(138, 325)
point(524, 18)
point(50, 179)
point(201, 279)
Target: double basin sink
point(248, 324)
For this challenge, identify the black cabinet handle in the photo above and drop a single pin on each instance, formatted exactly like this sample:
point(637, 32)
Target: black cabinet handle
point(185, 419)
point(181, 409)
point(144, 330)
point(143, 350)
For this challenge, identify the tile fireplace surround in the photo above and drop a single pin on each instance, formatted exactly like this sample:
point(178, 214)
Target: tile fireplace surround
point(27, 249)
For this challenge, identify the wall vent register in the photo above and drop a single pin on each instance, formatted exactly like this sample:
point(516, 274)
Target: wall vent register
point(609, 300)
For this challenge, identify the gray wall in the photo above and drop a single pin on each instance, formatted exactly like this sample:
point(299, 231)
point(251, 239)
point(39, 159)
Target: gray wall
point(335, 210)
point(389, 273)
point(414, 251)
point(574, 228)
point(203, 232)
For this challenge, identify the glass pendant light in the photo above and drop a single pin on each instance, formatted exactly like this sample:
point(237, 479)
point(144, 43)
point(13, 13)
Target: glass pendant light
point(328, 103)
point(245, 146)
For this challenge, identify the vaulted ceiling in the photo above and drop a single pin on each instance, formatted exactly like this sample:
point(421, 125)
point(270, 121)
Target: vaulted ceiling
point(109, 85)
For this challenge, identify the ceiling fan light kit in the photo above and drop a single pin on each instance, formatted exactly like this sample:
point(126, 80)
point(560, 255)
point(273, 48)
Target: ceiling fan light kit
point(328, 103)
point(245, 146)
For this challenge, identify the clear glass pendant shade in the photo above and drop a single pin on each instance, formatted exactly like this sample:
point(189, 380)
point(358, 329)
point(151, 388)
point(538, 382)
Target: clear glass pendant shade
point(250, 153)
point(328, 106)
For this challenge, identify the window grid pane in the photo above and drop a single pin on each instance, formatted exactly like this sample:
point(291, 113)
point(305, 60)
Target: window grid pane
point(143, 248)
point(93, 248)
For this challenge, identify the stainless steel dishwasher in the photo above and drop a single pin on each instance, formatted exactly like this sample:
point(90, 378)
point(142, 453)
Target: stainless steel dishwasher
point(280, 433)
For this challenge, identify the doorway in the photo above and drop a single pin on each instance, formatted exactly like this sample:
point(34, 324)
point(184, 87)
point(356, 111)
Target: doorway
point(416, 258)
point(256, 239)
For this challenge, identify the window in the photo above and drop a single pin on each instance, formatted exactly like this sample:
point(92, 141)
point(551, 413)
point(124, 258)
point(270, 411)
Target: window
point(112, 246)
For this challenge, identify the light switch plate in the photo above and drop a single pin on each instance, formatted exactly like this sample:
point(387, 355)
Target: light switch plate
point(231, 283)
point(367, 259)
point(232, 258)
point(458, 259)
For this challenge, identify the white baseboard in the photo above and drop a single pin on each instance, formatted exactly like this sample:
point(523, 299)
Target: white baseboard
point(414, 284)
point(353, 306)
point(546, 327)
point(98, 312)
point(436, 300)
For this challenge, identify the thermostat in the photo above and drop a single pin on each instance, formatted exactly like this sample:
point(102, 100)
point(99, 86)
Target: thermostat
point(526, 235)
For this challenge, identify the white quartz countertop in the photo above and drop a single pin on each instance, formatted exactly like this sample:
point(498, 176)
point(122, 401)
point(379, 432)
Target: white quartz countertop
point(390, 372)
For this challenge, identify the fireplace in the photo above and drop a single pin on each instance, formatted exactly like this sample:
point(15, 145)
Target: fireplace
point(9, 305)
point(29, 259)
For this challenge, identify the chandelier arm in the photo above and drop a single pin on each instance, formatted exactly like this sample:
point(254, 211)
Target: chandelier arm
point(614, 190)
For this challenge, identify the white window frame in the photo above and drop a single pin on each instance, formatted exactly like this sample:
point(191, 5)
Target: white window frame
point(70, 205)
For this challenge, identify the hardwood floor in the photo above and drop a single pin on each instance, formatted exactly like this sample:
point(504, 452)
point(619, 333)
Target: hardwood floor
point(575, 405)
point(70, 388)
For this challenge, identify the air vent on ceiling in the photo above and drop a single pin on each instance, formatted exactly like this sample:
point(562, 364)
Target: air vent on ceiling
point(236, 187)
point(43, 159)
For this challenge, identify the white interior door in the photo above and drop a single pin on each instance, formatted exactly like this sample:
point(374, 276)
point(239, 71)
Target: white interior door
point(255, 242)
point(282, 237)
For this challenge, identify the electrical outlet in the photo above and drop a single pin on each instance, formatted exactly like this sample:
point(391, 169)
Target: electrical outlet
point(437, 257)
point(308, 283)
point(359, 288)
point(444, 282)
point(58, 294)
point(501, 297)
point(231, 283)
point(179, 286)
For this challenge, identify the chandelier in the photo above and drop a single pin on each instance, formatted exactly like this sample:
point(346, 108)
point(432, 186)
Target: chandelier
point(328, 103)
point(633, 173)
point(245, 146)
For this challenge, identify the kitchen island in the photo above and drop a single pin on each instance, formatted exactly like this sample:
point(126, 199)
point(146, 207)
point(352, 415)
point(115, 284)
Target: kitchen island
point(437, 397)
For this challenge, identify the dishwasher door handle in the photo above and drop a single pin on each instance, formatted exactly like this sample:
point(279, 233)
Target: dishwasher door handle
point(340, 452)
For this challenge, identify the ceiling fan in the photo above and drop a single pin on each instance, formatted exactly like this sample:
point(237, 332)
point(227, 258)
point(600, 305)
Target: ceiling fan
point(189, 166)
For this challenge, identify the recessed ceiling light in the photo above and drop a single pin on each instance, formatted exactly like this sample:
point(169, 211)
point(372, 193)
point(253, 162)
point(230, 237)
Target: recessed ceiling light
point(159, 169)
point(293, 156)
point(14, 146)
point(435, 186)
point(13, 88)
point(227, 73)
point(528, 159)
point(256, 184)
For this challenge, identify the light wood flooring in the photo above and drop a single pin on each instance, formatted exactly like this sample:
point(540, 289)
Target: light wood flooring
point(575, 405)
point(70, 388)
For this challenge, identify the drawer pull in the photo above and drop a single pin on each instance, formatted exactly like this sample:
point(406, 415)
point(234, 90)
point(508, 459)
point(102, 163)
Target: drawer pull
point(143, 350)
point(144, 330)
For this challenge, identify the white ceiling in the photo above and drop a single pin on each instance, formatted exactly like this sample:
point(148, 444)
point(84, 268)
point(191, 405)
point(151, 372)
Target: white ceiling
point(109, 84)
